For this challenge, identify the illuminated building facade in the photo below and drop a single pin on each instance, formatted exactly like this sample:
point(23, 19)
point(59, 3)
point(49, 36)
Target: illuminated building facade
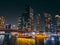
point(13, 26)
point(57, 17)
point(28, 19)
point(8, 26)
point(31, 19)
point(2, 21)
point(25, 21)
point(47, 22)
point(38, 22)
point(20, 23)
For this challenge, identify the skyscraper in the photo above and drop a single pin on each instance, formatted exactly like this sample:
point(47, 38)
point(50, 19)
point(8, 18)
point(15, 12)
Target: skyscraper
point(31, 19)
point(47, 21)
point(57, 17)
point(2, 21)
point(26, 19)
point(20, 23)
point(38, 22)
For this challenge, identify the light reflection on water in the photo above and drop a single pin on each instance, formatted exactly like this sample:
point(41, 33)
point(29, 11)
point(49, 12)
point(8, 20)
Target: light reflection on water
point(25, 41)
point(47, 41)
point(30, 41)
point(1, 39)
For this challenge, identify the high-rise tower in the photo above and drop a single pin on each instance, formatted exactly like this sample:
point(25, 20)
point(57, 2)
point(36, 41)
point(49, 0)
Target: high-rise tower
point(31, 19)
point(20, 23)
point(28, 18)
point(57, 18)
point(2, 21)
point(47, 21)
point(38, 22)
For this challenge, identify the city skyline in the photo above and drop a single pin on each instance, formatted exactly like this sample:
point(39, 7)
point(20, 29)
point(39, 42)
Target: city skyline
point(29, 22)
point(12, 9)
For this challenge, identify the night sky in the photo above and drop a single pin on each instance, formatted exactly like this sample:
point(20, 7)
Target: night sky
point(11, 9)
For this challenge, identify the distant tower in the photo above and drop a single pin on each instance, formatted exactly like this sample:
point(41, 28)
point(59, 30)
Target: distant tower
point(20, 23)
point(47, 20)
point(31, 19)
point(57, 18)
point(38, 22)
point(2, 21)
point(24, 25)
point(28, 18)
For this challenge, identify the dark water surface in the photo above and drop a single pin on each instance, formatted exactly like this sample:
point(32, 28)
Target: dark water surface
point(53, 40)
